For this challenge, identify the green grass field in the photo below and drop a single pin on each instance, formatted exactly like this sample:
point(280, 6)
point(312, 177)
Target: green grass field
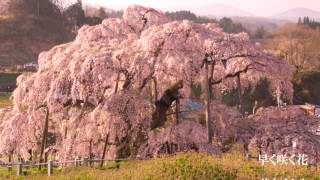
point(182, 166)
point(5, 100)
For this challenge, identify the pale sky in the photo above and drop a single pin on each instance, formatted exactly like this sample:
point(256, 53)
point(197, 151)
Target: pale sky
point(256, 7)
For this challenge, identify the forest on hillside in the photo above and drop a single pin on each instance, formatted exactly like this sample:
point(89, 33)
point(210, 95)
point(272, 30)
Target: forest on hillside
point(298, 44)
point(29, 27)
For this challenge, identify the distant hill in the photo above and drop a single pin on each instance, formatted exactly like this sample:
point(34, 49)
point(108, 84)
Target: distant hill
point(220, 10)
point(252, 23)
point(294, 14)
point(26, 30)
point(24, 34)
point(247, 19)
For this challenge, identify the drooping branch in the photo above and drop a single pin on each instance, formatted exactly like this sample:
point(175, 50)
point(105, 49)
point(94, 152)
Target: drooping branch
point(146, 80)
point(117, 83)
point(128, 77)
point(236, 74)
point(232, 75)
point(156, 54)
point(237, 56)
point(144, 19)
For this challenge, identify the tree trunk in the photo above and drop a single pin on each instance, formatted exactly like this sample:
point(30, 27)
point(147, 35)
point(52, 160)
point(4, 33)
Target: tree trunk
point(163, 105)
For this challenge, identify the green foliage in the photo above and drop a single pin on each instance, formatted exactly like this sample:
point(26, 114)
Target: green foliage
point(8, 78)
point(34, 7)
point(225, 23)
point(52, 139)
point(75, 14)
point(196, 91)
point(260, 33)
point(308, 22)
point(231, 27)
point(307, 87)
point(8, 81)
point(194, 167)
point(230, 97)
point(260, 95)
point(183, 166)
point(5, 174)
point(187, 15)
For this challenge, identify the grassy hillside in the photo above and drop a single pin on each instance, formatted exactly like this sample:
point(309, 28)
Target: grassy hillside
point(183, 166)
point(23, 39)
point(24, 33)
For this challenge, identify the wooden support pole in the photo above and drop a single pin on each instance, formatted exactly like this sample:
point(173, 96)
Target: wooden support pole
point(66, 130)
point(85, 162)
point(239, 91)
point(104, 149)
point(90, 152)
point(117, 83)
point(208, 115)
point(50, 168)
point(28, 164)
point(10, 162)
point(19, 169)
point(76, 162)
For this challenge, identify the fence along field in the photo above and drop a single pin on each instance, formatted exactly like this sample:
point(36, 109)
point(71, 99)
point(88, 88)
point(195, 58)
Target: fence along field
point(50, 165)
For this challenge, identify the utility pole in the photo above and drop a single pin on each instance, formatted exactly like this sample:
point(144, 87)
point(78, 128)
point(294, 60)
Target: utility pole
point(208, 61)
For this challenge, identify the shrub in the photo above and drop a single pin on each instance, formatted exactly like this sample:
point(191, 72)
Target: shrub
point(261, 94)
point(307, 87)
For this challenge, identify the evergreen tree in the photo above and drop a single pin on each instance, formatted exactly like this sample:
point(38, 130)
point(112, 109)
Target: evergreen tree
point(260, 33)
point(299, 21)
